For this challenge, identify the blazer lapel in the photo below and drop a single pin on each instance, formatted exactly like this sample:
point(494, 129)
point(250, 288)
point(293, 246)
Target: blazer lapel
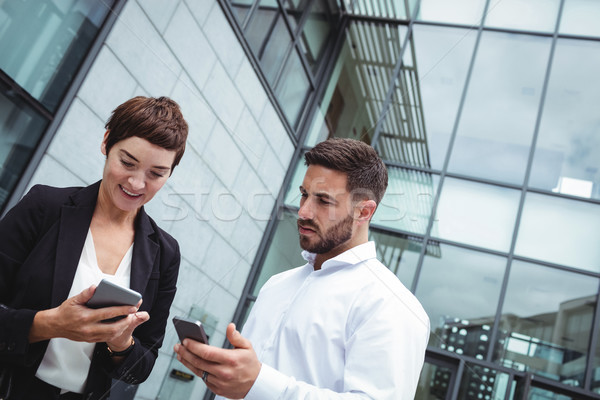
point(145, 250)
point(75, 221)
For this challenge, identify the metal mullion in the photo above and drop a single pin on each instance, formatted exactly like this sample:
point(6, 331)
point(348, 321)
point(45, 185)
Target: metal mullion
point(564, 196)
point(450, 146)
point(250, 14)
point(503, 288)
point(557, 266)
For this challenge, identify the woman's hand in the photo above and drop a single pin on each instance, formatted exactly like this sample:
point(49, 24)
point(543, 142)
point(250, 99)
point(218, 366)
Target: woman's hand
point(75, 321)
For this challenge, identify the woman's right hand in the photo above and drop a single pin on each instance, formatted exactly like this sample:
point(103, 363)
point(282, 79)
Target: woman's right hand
point(75, 321)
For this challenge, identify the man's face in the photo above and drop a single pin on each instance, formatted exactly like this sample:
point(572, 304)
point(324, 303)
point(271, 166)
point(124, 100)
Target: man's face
point(326, 221)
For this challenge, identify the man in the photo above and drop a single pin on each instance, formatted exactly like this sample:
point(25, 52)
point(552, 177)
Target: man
point(340, 327)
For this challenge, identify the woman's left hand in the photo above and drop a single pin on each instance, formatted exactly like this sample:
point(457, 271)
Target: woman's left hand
point(123, 341)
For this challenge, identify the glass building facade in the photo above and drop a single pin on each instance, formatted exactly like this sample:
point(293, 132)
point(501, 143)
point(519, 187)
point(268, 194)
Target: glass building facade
point(486, 114)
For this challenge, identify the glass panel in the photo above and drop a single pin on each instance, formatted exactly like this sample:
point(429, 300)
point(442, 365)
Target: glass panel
point(352, 103)
point(294, 9)
point(467, 12)
point(497, 122)
point(268, 37)
point(485, 383)
point(241, 8)
point(459, 290)
point(546, 322)
point(20, 131)
point(580, 17)
point(43, 43)
point(293, 88)
point(292, 196)
point(284, 250)
point(399, 253)
point(560, 231)
point(418, 125)
point(476, 214)
point(531, 15)
point(568, 145)
point(315, 33)
point(434, 382)
point(408, 200)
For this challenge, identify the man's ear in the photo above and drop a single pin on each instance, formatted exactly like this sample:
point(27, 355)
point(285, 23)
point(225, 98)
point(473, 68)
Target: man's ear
point(103, 146)
point(365, 210)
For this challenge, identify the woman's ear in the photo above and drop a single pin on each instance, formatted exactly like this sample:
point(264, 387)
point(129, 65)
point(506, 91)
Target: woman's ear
point(103, 146)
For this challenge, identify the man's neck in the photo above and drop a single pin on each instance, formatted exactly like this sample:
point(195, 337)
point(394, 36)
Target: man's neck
point(321, 258)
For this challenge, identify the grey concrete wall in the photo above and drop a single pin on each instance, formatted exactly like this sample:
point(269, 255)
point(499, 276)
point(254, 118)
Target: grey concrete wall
point(218, 201)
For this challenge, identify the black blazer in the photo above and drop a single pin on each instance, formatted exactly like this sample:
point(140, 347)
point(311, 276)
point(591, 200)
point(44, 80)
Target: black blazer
point(41, 240)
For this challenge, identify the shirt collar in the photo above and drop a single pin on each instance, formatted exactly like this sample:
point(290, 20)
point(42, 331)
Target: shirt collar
point(352, 256)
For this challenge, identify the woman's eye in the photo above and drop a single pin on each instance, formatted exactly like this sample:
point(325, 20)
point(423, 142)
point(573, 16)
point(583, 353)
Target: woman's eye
point(156, 174)
point(126, 163)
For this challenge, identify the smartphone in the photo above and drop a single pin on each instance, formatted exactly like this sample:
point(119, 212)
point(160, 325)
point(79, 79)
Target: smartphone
point(189, 328)
point(110, 294)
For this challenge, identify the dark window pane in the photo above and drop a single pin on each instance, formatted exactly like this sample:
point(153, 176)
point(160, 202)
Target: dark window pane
point(434, 383)
point(352, 103)
point(295, 9)
point(459, 290)
point(496, 126)
point(560, 231)
point(417, 127)
point(316, 32)
point(484, 383)
point(533, 15)
point(568, 146)
point(241, 9)
point(408, 200)
point(43, 44)
point(20, 131)
point(477, 214)
point(399, 253)
point(268, 37)
point(580, 17)
point(546, 322)
point(293, 87)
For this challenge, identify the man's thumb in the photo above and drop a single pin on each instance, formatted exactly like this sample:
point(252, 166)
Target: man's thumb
point(235, 338)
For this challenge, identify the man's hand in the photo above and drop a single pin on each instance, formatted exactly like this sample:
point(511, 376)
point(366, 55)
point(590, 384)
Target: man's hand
point(75, 321)
point(231, 372)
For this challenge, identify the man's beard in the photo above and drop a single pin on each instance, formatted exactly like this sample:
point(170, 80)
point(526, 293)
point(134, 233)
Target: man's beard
point(332, 238)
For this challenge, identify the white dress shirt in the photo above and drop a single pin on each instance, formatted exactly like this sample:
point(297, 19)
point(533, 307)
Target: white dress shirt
point(66, 363)
point(350, 330)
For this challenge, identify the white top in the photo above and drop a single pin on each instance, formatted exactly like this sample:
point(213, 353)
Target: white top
point(350, 330)
point(66, 363)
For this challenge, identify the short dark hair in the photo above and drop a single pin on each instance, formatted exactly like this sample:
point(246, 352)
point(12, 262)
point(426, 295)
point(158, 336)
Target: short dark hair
point(367, 174)
point(158, 120)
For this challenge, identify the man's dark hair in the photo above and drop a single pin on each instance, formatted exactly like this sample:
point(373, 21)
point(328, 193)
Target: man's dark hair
point(158, 120)
point(367, 174)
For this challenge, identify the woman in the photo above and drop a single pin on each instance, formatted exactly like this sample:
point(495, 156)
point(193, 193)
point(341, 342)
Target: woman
point(56, 244)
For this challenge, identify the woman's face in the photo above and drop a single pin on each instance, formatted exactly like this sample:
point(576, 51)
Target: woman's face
point(134, 171)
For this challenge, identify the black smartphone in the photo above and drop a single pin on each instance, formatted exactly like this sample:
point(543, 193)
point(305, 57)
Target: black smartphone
point(110, 294)
point(190, 328)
